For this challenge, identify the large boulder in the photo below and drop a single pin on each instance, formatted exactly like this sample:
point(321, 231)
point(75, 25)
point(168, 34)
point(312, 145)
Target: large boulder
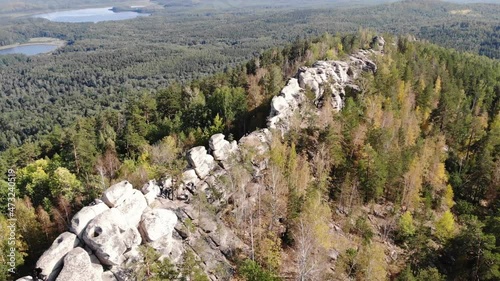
point(84, 216)
point(52, 260)
point(221, 148)
point(132, 207)
point(189, 177)
point(257, 141)
point(78, 266)
point(196, 156)
point(279, 111)
point(217, 142)
point(117, 193)
point(202, 162)
point(378, 43)
point(109, 235)
point(157, 223)
point(307, 79)
point(204, 170)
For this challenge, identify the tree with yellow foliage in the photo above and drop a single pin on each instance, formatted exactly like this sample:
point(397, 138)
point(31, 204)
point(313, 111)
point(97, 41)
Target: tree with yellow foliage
point(445, 226)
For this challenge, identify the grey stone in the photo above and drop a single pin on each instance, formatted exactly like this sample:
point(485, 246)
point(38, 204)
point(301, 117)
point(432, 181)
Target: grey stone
point(157, 223)
point(196, 156)
point(221, 148)
point(202, 162)
point(52, 260)
point(190, 177)
point(78, 266)
point(109, 235)
point(117, 193)
point(81, 219)
point(132, 207)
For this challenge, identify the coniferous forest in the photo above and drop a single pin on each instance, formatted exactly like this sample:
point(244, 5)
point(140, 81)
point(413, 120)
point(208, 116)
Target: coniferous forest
point(408, 170)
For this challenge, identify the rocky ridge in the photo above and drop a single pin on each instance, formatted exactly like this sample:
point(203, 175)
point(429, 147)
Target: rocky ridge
point(103, 238)
point(332, 77)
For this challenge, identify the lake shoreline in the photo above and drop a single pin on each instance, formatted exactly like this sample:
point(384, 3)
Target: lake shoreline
point(37, 41)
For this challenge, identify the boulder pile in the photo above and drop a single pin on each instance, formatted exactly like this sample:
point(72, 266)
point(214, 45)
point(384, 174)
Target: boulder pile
point(106, 234)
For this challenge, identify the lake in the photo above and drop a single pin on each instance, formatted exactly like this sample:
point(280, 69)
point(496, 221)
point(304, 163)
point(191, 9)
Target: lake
point(30, 50)
point(90, 15)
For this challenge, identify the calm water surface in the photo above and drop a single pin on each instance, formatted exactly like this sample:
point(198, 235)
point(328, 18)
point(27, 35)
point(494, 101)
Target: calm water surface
point(30, 50)
point(90, 15)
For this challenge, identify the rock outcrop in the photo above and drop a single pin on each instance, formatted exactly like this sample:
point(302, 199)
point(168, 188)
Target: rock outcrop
point(323, 77)
point(108, 233)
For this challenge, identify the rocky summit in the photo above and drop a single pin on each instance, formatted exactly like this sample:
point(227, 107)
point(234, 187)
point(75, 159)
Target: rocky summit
point(103, 239)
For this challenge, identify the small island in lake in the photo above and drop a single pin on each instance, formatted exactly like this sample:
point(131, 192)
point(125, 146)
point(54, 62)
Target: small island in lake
point(136, 9)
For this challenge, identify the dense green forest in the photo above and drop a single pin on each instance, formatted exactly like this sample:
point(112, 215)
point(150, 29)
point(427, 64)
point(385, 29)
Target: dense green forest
point(104, 65)
point(422, 134)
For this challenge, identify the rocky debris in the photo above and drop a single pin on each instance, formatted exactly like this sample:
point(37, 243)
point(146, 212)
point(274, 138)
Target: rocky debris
point(109, 236)
point(228, 243)
point(52, 260)
point(324, 73)
point(201, 229)
point(81, 219)
point(108, 276)
point(132, 207)
point(78, 266)
point(117, 193)
point(361, 61)
point(169, 247)
point(151, 190)
point(157, 223)
point(121, 273)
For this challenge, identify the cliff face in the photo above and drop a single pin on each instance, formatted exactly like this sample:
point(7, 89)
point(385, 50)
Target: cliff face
point(177, 216)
